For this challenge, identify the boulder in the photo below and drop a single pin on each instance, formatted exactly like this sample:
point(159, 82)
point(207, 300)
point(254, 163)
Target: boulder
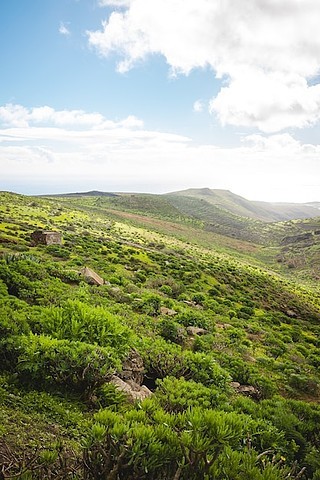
point(91, 276)
point(223, 325)
point(133, 391)
point(196, 331)
point(167, 311)
point(132, 368)
point(247, 390)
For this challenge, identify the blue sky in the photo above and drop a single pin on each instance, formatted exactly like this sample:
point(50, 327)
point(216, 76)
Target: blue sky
point(160, 95)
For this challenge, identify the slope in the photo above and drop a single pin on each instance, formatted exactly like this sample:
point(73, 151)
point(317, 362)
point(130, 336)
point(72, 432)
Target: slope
point(267, 212)
point(197, 319)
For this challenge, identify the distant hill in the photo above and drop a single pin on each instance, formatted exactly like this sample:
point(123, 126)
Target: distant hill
point(237, 205)
point(91, 193)
point(219, 211)
point(214, 203)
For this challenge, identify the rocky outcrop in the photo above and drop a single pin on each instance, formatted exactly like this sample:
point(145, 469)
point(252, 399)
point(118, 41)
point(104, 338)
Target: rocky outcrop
point(304, 237)
point(91, 276)
point(196, 331)
point(167, 311)
point(247, 390)
point(132, 368)
point(129, 380)
point(134, 391)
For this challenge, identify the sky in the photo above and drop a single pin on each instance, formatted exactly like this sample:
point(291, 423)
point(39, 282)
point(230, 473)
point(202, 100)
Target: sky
point(161, 95)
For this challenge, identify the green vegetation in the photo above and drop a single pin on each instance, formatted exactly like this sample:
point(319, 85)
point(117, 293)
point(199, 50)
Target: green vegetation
point(228, 343)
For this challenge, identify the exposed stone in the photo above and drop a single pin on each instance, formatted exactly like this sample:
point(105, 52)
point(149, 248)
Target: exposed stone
point(91, 276)
point(167, 311)
point(247, 390)
point(131, 389)
point(196, 331)
point(46, 237)
point(291, 313)
point(223, 325)
point(132, 368)
point(235, 384)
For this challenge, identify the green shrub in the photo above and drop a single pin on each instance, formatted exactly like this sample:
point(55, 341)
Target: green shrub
point(162, 359)
point(149, 303)
point(198, 443)
point(172, 331)
point(44, 362)
point(177, 395)
point(193, 318)
point(76, 320)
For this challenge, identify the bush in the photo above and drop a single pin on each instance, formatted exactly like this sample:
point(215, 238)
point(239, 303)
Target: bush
point(162, 359)
point(149, 303)
point(193, 319)
point(41, 361)
point(177, 395)
point(199, 443)
point(172, 331)
point(76, 320)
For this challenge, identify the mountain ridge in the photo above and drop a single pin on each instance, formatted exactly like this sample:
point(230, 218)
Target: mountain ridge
point(222, 199)
point(260, 210)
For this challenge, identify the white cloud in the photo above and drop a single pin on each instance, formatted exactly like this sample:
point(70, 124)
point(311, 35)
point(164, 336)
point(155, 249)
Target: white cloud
point(267, 52)
point(13, 115)
point(198, 106)
point(64, 30)
point(114, 3)
point(19, 116)
point(271, 102)
point(43, 150)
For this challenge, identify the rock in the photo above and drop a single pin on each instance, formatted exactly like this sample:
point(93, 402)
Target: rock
point(291, 314)
point(248, 390)
point(133, 368)
point(167, 311)
point(91, 276)
point(223, 325)
point(131, 389)
point(46, 237)
point(235, 384)
point(196, 331)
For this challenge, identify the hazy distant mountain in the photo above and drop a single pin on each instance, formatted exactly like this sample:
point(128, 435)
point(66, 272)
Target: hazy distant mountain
point(91, 193)
point(314, 204)
point(212, 206)
point(237, 205)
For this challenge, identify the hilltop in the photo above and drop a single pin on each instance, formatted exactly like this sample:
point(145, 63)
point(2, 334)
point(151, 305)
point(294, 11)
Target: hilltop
point(211, 335)
point(289, 246)
point(224, 200)
point(237, 205)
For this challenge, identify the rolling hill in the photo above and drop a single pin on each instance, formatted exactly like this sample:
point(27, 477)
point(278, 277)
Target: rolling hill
point(237, 205)
point(223, 200)
point(194, 351)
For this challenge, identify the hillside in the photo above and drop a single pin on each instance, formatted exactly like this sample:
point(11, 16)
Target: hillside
point(224, 200)
point(290, 247)
point(264, 211)
point(191, 360)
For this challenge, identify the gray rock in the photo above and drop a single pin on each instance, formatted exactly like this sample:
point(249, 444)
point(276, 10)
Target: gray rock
point(196, 331)
point(167, 311)
point(133, 391)
point(133, 368)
